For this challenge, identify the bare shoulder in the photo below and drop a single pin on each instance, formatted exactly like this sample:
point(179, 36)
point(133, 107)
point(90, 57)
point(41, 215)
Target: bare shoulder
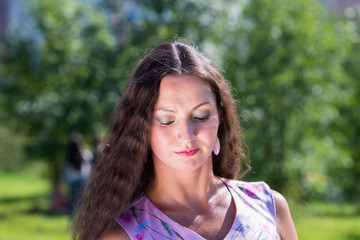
point(284, 220)
point(120, 234)
point(281, 204)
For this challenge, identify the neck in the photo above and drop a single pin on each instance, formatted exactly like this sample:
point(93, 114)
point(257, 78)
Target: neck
point(185, 190)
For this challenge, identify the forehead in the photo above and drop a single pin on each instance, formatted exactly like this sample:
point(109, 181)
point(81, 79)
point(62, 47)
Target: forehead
point(184, 89)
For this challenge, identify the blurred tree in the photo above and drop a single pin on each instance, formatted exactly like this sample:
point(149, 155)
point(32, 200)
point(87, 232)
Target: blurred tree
point(63, 69)
point(143, 24)
point(348, 123)
point(282, 58)
point(11, 151)
point(58, 77)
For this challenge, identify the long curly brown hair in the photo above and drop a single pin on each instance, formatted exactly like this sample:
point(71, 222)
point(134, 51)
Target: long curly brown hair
point(125, 168)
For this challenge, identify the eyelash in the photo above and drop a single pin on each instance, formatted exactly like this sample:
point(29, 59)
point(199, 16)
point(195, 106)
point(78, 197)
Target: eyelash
point(200, 119)
point(166, 123)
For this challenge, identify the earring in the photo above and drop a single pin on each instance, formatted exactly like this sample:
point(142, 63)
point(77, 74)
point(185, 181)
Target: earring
point(216, 149)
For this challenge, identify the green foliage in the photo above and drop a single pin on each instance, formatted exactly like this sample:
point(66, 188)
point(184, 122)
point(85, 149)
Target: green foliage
point(11, 150)
point(287, 72)
point(58, 80)
point(144, 24)
point(348, 123)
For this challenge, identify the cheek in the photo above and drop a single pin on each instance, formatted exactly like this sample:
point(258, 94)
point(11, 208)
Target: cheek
point(211, 125)
point(159, 138)
point(208, 130)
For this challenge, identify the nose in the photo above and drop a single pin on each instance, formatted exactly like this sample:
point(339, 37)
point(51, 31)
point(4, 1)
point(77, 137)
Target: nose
point(186, 132)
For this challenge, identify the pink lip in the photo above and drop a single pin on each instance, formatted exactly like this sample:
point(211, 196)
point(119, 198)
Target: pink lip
point(188, 153)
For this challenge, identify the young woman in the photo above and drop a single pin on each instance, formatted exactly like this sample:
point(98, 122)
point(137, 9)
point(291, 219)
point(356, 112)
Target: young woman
point(173, 153)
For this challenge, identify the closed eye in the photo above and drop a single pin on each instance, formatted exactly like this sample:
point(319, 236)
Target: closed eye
point(201, 118)
point(166, 123)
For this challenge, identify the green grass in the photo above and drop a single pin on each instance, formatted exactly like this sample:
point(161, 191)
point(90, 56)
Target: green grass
point(321, 220)
point(20, 196)
point(20, 193)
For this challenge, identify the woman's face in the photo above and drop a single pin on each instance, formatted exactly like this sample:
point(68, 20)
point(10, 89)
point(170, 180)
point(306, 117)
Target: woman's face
point(185, 125)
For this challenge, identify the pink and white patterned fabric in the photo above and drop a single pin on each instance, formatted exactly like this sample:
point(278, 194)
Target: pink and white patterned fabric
point(255, 216)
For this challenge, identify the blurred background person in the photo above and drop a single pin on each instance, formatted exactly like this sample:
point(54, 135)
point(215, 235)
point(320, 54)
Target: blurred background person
point(76, 170)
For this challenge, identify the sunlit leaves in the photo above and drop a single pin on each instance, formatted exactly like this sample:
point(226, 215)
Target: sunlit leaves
point(56, 80)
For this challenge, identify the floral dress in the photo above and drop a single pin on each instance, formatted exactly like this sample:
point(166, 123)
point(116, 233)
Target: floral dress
point(255, 216)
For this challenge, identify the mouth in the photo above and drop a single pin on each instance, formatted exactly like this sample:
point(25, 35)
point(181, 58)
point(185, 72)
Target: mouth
point(188, 153)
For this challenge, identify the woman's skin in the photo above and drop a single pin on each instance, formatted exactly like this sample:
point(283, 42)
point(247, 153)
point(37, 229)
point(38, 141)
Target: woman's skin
point(183, 135)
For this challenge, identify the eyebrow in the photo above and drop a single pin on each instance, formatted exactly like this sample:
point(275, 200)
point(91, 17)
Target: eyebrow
point(161, 108)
